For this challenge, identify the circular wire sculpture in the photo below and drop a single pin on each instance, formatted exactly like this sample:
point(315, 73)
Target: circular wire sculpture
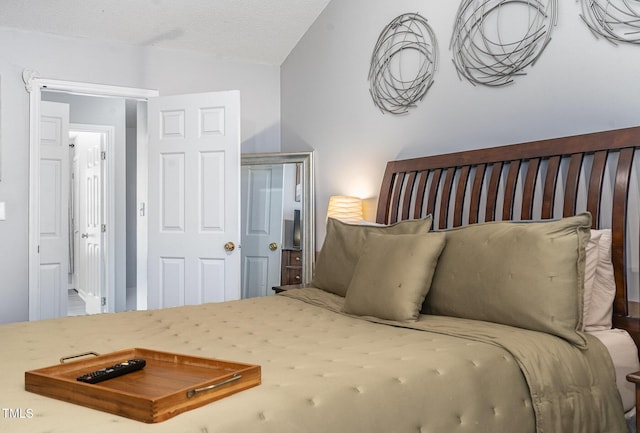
point(615, 20)
point(485, 49)
point(403, 63)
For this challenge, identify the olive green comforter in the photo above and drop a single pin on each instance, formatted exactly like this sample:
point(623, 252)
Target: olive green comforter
point(323, 371)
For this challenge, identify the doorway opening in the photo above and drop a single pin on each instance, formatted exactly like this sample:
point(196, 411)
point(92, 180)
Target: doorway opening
point(88, 218)
point(40, 90)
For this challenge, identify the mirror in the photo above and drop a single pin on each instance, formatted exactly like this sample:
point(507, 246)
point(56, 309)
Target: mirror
point(277, 221)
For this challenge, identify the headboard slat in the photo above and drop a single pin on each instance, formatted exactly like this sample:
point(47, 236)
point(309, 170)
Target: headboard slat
point(399, 180)
point(492, 191)
point(550, 182)
point(445, 199)
point(408, 192)
point(571, 189)
point(433, 191)
point(460, 195)
point(529, 188)
point(422, 185)
point(474, 207)
point(595, 185)
point(510, 190)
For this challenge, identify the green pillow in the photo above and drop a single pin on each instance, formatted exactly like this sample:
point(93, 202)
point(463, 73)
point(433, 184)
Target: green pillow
point(524, 274)
point(342, 247)
point(393, 276)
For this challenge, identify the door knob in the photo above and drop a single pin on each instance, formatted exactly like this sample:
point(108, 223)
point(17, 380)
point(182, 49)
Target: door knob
point(273, 246)
point(229, 246)
point(84, 235)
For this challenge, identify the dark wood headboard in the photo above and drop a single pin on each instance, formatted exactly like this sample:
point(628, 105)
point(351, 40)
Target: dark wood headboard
point(538, 180)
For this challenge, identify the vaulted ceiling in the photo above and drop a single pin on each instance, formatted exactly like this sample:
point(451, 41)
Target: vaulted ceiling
point(261, 31)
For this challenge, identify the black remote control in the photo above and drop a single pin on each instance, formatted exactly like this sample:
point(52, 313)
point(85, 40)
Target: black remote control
point(113, 371)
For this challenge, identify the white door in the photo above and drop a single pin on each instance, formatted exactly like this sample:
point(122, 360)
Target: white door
point(90, 237)
point(194, 206)
point(262, 194)
point(54, 208)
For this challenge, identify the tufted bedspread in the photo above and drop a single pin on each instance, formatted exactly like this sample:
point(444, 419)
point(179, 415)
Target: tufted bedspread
point(323, 371)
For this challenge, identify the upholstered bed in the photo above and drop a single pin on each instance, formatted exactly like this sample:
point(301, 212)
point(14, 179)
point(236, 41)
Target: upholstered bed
point(448, 321)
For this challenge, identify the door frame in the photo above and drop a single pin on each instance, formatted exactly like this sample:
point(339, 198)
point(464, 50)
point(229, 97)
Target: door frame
point(34, 86)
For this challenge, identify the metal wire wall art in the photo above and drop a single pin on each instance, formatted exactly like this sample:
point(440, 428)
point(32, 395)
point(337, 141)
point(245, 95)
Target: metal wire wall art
point(482, 52)
point(615, 20)
point(403, 64)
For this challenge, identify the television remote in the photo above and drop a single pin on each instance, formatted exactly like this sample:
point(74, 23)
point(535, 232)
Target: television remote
point(113, 371)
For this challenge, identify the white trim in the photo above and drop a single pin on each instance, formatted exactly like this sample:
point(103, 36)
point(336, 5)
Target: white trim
point(95, 89)
point(34, 85)
point(34, 204)
point(108, 190)
point(142, 226)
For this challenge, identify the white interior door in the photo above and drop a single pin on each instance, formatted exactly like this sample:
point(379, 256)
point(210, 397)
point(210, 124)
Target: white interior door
point(194, 206)
point(262, 193)
point(53, 210)
point(90, 237)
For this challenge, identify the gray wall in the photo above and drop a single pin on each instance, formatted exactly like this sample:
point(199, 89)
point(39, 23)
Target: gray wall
point(580, 84)
point(72, 59)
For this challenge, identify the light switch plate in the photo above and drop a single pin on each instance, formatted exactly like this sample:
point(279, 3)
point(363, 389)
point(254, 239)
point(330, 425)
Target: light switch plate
point(3, 211)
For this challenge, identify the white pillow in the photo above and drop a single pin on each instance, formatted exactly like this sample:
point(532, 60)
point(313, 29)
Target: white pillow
point(599, 284)
point(592, 255)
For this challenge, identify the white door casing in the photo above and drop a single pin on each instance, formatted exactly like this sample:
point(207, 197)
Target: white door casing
point(194, 205)
point(34, 85)
point(262, 195)
point(54, 169)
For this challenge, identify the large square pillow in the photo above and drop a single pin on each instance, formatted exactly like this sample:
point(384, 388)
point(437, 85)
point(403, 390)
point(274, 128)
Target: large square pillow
point(523, 274)
point(342, 247)
point(393, 276)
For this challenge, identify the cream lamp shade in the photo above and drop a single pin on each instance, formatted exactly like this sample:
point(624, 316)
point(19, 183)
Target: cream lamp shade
point(346, 209)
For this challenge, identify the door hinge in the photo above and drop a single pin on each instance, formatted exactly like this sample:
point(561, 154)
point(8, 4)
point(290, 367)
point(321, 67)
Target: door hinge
point(103, 228)
point(103, 301)
point(103, 155)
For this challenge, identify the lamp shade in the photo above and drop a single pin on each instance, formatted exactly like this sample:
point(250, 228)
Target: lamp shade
point(346, 209)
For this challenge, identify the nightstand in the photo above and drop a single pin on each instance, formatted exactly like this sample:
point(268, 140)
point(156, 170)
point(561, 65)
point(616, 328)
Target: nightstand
point(291, 270)
point(635, 378)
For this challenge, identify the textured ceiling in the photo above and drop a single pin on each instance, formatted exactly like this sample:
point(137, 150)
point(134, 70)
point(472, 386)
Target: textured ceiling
point(262, 31)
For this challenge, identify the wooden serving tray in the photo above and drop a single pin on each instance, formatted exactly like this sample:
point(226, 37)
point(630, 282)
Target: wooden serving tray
point(168, 385)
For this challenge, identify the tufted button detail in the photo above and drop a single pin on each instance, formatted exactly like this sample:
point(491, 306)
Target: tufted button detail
point(262, 416)
point(358, 389)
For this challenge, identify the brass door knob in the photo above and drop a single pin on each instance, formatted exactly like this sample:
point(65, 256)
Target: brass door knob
point(273, 246)
point(229, 246)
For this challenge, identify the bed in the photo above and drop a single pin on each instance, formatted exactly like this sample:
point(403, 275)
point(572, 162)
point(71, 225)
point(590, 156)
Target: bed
point(388, 337)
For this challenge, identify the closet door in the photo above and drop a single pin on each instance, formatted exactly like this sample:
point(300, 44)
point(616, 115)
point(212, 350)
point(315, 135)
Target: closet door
point(53, 210)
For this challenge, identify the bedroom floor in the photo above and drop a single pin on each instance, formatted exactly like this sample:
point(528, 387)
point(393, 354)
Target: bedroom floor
point(75, 304)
